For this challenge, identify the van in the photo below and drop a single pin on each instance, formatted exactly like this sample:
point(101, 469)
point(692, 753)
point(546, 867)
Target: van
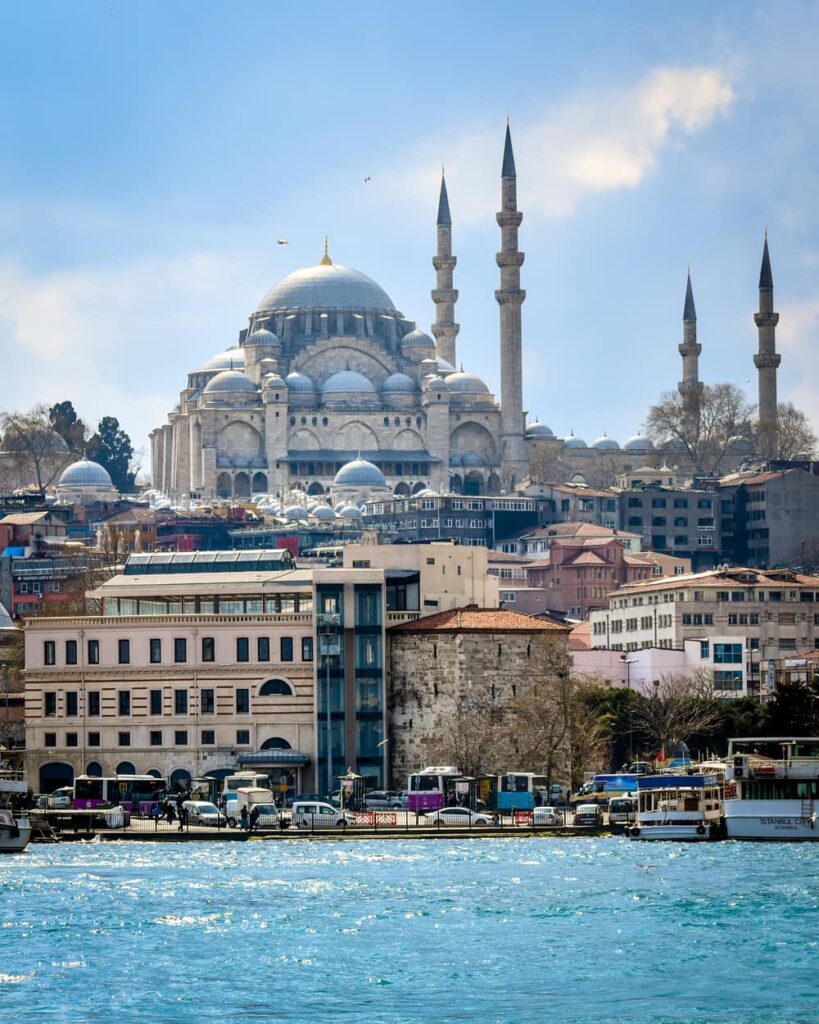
point(589, 815)
point(622, 811)
point(319, 814)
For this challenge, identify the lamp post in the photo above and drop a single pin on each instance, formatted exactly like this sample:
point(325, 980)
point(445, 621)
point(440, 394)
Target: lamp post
point(628, 662)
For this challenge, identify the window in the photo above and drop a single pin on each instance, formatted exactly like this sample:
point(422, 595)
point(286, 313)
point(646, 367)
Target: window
point(658, 502)
point(208, 701)
point(727, 654)
point(180, 650)
point(156, 702)
point(155, 651)
point(124, 739)
point(93, 697)
point(180, 738)
point(306, 648)
point(93, 739)
point(242, 737)
point(242, 701)
point(275, 688)
point(180, 702)
point(49, 652)
point(156, 737)
point(124, 702)
point(71, 704)
point(242, 648)
point(728, 680)
point(208, 737)
point(263, 648)
point(50, 739)
point(71, 739)
point(71, 652)
point(93, 652)
point(787, 643)
point(50, 705)
point(286, 645)
point(704, 650)
point(208, 652)
point(124, 652)
point(635, 502)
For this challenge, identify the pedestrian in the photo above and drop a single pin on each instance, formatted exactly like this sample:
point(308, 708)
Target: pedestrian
point(169, 812)
point(180, 799)
point(254, 819)
point(183, 817)
point(243, 818)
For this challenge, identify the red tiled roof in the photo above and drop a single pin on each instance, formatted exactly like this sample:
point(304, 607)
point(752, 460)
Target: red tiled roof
point(588, 558)
point(480, 620)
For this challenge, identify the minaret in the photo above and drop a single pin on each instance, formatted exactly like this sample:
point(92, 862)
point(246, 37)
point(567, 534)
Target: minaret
point(444, 295)
point(690, 387)
point(766, 360)
point(510, 296)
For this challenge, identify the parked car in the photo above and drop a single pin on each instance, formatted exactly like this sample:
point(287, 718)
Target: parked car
point(301, 797)
point(547, 816)
point(203, 812)
point(459, 816)
point(589, 814)
point(57, 800)
point(384, 800)
point(318, 814)
point(271, 817)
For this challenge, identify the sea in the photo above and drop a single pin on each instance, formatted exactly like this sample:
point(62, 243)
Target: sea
point(501, 931)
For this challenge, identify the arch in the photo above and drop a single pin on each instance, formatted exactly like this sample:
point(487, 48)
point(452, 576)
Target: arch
point(356, 437)
point(219, 773)
point(54, 775)
point(402, 490)
point(304, 439)
point(241, 485)
point(239, 440)
point(408, 440)
point(326, 357)
point(125, 768)
point(473, 483)
point(154, 773)
point(420, 486)
point(456, 484)
point(276, 688)
point(259, 485)
point(276, 743)
point(474, 438)
point(493, 484)
point(224, 486)
point(315, 488)
point(94, 769)
point(180, 780)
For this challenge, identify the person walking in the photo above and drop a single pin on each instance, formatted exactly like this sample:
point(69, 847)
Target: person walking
point(254, 818)
point(183, 818)
point(243, 818)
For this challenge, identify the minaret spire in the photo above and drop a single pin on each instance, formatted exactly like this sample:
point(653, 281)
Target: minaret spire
point(767, 359)
point(443, 294)
point(690, 387)
point(510, 297)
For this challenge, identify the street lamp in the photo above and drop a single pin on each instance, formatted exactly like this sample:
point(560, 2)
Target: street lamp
point(628, 662)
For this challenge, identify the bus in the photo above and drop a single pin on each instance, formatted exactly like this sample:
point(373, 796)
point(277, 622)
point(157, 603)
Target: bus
point(138, 794)
point(432, 788)
point(516, 791)
point(603, 788)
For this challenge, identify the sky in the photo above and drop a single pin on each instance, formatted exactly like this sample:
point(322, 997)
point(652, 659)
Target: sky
point(152, 153)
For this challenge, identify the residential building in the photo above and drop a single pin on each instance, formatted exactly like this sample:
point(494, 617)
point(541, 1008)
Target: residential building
point(674, 520)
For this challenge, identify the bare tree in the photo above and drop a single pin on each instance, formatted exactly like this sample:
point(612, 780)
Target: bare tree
point(546, 465)
point(676, 712)
point(34, 447)
point(589, 740)
point(794, 437)
point(468, 737)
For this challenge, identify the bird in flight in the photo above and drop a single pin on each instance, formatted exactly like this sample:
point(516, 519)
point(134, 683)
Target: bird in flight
point(367, 179)
point(281, 241)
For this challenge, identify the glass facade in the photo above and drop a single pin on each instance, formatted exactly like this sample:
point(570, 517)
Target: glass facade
point(330, 687)
point(369, 684)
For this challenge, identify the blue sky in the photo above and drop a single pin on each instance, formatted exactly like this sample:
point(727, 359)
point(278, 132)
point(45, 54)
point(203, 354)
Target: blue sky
point(153, 152)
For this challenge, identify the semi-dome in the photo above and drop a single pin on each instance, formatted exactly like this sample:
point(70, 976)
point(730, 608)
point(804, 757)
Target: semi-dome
point(327, 286)
point(538, 429)
point(606, 444)
point(347, 382)
point(417, 339)
point(299, 382)
point(231, 359)
point(400, 382)
point(261, 336)
point(359, 473)
point(639, 443)
point(350, 512)
point(574, 442)
point(85, 473)
point(444, 366)
point(230, 380)
point(466, 383)
point(322, 512)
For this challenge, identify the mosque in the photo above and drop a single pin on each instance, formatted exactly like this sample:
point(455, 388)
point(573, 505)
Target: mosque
point(329, 372)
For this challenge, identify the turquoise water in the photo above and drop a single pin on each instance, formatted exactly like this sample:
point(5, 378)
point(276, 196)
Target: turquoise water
point(507, 930)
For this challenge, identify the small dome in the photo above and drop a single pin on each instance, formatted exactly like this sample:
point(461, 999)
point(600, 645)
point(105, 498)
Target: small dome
point(638, 443)
point(417, 339)
point(435, 383)
point(347, 382)
point(232, 359)
point(741, 445)
point(273, 380)
point(323, 512)
point(359, 473)
point(230, 380)
point(261, 336)
point(674, 444)
point(538, 429)
point(444, 366)
point(574, 442)
point(85, 473)
point(5, 619)
point(295, 512)
point(300, 382)
point(400, 382)
point(606, 444)
point(466, 383)
point(350, 512)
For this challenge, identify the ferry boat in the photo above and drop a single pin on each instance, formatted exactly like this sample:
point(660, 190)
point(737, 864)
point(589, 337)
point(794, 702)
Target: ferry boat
point(15, 830)
point(772, 788)
point(678, 807)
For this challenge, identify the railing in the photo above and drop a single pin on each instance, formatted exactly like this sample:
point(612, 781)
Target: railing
point(393, 618)
point(171, 618)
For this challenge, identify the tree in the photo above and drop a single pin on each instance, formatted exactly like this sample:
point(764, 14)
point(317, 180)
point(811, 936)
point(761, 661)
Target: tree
point(33, 447)
point(676, 712)
point(111, 448)
point(64, 421)
point(794, 709)
point(794, 437)
point(724, 414)
point(469, 737)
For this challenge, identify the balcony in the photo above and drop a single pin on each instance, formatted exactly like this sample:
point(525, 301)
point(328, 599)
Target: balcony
point(396, 618)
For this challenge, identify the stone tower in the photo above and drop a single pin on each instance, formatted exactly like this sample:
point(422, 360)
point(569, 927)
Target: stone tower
point(766, 360)
point(690, 387)
point(444, 295)
point(510, 296)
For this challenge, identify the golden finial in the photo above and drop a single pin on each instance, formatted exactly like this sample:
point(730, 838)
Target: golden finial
point(325, 260)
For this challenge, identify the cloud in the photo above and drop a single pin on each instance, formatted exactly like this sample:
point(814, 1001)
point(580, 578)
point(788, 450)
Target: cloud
point(590, 145)
point(797, 339)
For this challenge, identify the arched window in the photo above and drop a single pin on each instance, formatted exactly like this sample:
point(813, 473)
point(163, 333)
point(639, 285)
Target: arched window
point(154, 773)
point(125, 768)
point(180, 780)
point(275, 688)
point(276, 743)
point(54, 775)
point(94, 769)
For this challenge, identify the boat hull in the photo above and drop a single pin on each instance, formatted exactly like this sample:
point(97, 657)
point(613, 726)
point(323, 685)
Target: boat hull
point(777, 820)
point(11, 843)
point(671, 833)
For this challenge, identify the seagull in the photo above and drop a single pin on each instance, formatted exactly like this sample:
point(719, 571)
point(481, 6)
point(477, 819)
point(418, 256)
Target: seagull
point(367, 179)
point(281, 241)
point(647, 868)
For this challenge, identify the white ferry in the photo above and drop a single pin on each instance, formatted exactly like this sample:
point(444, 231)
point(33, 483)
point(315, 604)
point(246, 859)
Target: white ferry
point(772, 788)
point(678, 807)
point(15, 830)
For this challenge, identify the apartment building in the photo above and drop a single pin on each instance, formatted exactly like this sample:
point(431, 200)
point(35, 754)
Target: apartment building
point(742, 617)
point(676, 521)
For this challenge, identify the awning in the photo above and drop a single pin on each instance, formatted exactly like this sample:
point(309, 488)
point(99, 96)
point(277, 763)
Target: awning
point(274, 759)
point(12, 553)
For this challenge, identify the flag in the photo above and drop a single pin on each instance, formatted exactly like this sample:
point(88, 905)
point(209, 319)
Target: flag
point(661, 757)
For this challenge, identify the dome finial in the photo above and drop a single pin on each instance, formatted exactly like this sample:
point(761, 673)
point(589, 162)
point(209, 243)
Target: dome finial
point(325, 260)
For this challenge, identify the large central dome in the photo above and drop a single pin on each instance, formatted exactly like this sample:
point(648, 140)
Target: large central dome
point(327, 286)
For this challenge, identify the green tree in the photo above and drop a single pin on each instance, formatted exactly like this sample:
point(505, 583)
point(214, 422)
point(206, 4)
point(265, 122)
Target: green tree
point(71, 429)
point(111, 447)
point(794, 709)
